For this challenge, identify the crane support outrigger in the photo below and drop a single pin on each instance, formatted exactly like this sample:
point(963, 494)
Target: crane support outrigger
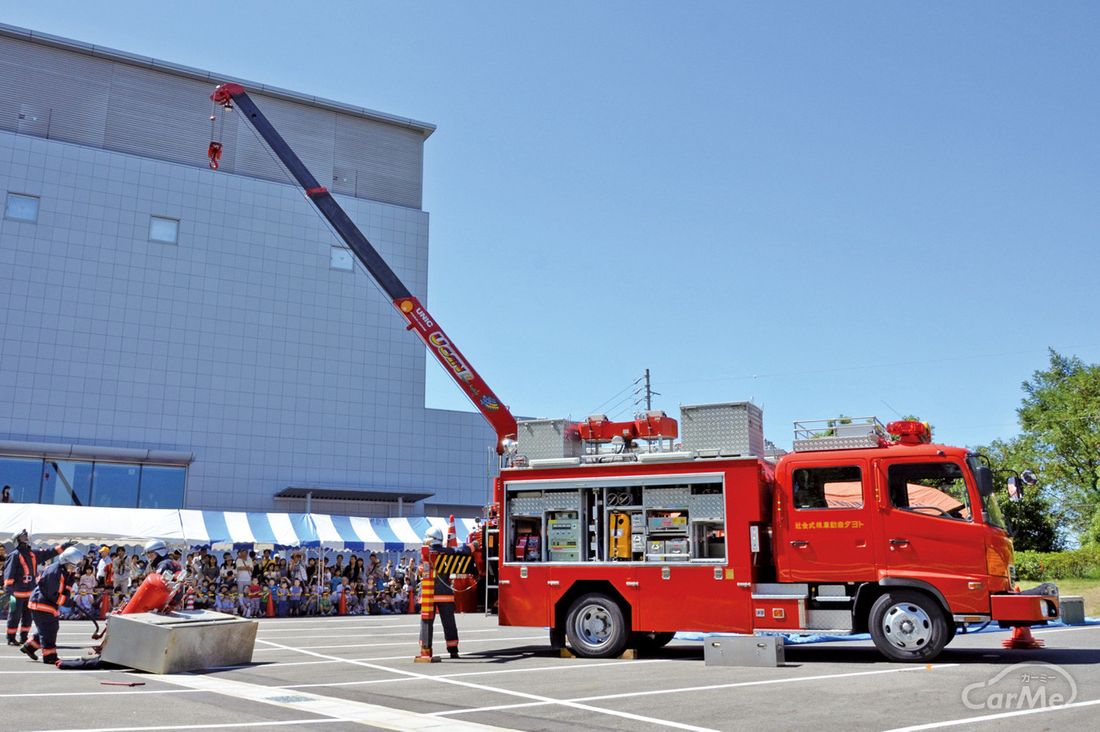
point(415, 314)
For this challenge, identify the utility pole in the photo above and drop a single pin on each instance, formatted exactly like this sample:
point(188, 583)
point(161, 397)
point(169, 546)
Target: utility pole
point(647, 391)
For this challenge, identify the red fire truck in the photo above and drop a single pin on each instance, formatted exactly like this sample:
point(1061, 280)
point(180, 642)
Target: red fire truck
point(858, 530)
point(612, 534)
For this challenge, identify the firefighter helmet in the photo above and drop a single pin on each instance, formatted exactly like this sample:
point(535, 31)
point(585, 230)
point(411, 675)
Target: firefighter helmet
point(72, 556)
point(23, 537)
point(156, 546)
point(433, 535)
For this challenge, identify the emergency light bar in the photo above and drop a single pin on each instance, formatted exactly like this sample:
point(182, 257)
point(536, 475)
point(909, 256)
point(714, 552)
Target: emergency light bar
point(910, 432)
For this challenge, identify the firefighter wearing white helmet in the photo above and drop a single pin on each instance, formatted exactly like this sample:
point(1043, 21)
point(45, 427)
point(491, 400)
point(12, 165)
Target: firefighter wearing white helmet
point(20, 575)
point(156, 551)
point(438, 563)
point(49, 595)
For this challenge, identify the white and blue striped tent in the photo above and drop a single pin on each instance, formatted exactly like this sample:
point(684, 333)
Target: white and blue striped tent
point(219, 528)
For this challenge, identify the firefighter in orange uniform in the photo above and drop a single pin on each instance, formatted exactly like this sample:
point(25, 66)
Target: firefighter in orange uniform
point(45, 603)
point(20, 575)
point(437, 591)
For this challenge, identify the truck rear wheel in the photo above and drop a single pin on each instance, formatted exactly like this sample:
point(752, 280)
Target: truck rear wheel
point(908, 626)
point(595, 627)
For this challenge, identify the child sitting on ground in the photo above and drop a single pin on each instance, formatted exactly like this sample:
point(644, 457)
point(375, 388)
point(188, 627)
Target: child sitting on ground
point(325, 607)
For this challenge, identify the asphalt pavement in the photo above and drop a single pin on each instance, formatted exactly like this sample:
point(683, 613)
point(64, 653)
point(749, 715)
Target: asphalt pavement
point(358, 673)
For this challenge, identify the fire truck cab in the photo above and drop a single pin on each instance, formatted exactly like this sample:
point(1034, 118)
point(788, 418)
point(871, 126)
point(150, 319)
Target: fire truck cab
point(855, 531)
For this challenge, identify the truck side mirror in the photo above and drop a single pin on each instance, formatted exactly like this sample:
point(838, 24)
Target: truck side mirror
point(984, 477)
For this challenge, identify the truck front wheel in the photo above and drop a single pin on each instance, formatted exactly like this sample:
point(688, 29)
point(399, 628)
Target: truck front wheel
point(595, 627)
point(908, 626)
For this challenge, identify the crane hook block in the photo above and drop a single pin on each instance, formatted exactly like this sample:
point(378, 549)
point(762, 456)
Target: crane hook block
point(214, 152)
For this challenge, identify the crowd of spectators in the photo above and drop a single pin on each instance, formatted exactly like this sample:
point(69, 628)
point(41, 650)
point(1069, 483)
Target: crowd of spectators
point(251, 584)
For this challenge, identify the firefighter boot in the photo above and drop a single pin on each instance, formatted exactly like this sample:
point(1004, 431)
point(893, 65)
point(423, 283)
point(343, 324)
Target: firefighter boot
point(29, 650)
point(453, 652)
point(23, 637)
point(12, 641)
point(50, 658)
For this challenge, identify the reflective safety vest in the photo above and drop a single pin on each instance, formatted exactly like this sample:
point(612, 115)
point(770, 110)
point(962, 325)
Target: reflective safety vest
point(21, 569)
point(49, 595)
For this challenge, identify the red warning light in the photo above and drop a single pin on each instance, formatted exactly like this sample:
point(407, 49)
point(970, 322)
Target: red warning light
point(910, 432)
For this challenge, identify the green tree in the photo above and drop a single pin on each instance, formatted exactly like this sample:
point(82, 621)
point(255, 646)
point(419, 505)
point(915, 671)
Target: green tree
point(1060, 419)
point(1033, 523)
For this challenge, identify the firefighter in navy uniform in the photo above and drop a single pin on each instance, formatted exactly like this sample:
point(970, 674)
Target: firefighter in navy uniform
point(437, 591)
point(53, 591)
point(156, 551)
point(20, 575)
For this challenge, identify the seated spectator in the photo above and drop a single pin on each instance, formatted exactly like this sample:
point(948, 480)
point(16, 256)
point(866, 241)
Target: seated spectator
point(326, 607)
point(355, 601)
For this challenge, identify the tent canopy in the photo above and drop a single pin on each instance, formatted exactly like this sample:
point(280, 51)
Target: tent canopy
point(92, 524)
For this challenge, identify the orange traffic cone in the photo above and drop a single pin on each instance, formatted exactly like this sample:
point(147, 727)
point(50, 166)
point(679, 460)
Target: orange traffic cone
point(452, 536)
point(1022, 638)
point(270, 606)
point(104, 605)
point(342, 605)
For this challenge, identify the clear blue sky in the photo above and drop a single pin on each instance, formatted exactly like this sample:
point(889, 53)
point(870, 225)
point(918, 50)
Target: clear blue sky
point(859, 208)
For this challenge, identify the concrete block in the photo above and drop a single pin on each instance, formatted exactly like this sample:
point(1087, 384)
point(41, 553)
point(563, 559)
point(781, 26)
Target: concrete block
point(181, 641)
point(725, 649)
point(1073, 609)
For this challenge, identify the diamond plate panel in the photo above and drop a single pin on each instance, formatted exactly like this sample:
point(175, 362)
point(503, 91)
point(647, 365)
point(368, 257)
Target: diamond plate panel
point(707, 507)
point(733, 428)
point(670, 497)
point(548, 438)
point(537, 505)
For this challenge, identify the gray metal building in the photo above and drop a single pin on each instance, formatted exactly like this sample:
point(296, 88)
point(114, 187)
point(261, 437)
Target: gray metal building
point(173, 334)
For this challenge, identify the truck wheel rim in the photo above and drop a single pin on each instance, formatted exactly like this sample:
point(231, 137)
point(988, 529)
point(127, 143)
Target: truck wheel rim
point(907, 626)
point(594, 625)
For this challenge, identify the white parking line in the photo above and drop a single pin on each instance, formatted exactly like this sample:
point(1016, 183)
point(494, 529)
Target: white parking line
point(340, 709)
point(526, 670)
point(993, 717)
point(382, 635)
point(128, 693)
point(710, 687)
point(223, 725)
point(507, 692)
point(294, 629)
point(401, 643)
point(1066, 630)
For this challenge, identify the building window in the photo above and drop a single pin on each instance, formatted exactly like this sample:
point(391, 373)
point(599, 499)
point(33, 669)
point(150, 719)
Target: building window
point(164, 230)
point(341, 258)
point(20, 207)
point(161, 487)
point(115, 485)
point(24, 476)
point(66, 483)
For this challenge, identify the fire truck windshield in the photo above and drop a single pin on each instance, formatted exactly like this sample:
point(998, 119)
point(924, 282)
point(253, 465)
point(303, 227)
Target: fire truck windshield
point(991, 509)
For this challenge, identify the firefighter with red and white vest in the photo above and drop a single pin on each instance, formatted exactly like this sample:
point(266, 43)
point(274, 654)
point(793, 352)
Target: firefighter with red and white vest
point(20, 575)
point(51, 593)
point(437, 591)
